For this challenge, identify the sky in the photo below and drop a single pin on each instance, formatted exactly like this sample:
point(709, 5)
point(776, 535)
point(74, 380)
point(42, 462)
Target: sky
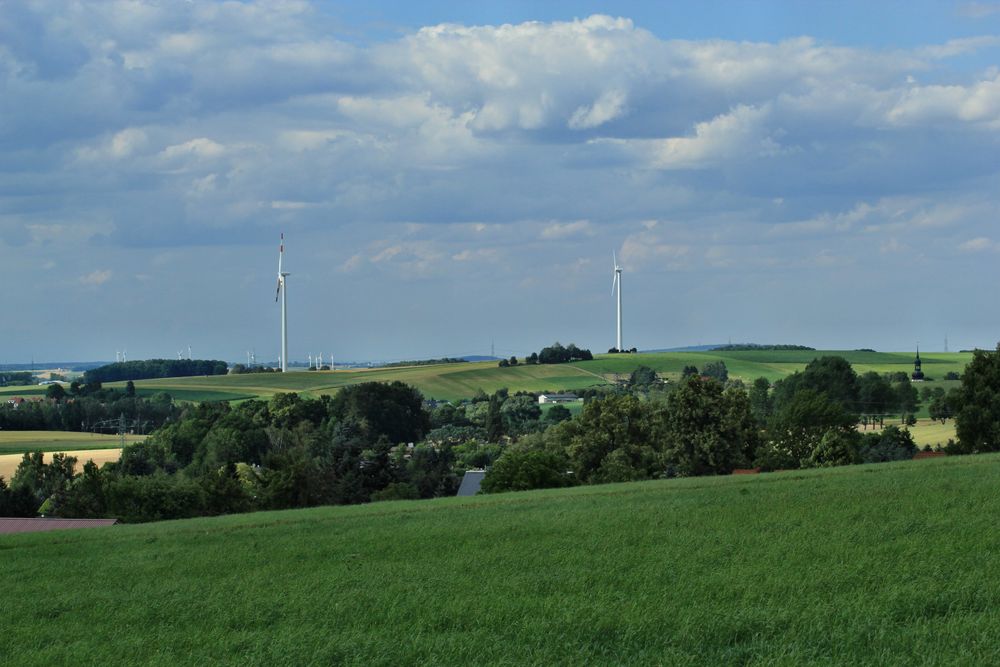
point(455, 175)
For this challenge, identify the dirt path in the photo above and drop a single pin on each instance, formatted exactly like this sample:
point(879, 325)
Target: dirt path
point(8, 462)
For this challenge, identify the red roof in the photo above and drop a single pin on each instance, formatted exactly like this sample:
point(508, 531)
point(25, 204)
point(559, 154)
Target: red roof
point(15, 525)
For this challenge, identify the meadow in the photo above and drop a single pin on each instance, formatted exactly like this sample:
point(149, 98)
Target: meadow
point(879, 564)
point(458, 381)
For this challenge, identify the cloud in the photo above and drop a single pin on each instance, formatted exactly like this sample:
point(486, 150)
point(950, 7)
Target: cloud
point(976, 103)
point(201, 147)
point(649, 249)
point(979, 244)
point(562, 230)
point(607, 107)
point(96, 278)
point(455, 153)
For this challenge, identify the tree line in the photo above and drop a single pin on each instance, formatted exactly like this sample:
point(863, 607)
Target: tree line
point(88, 408)
point(147, 369)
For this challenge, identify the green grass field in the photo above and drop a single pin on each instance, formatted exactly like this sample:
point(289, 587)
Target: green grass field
point(18, 442)
point(457, 381)
point(882, 564)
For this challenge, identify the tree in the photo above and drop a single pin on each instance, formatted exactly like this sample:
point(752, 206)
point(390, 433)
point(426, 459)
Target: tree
point(513, 361)
point(706, 430)
point(836, 448)
point(977, 419)
point(55, 392)
point(558, 413)
point(716, 370)
point(42, 479)
point(523, 469)
point(519, 412)
point(394, 410)
point(797, 428)
point(829, 375)
point(892, 444)
point(907, 398)
point(942, 405)
point(875, 394)
point(130, 389)
point(689, 371)
point(503, 363)
point(611, 440)
point(494, 420)
point(760, 400)
point(643, 377)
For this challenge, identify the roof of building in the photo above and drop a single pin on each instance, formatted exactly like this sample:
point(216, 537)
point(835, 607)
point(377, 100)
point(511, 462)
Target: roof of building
point(559, 395)
point(19, 525)
point(471, 482)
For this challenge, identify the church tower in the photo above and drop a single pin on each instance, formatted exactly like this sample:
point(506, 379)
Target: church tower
point(918, 375)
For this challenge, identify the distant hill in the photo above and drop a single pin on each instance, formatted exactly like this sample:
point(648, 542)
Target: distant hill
point(688, 348)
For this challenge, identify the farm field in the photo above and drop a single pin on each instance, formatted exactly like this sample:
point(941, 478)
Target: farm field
point(890, 563)
point(18, 442)
point(9, 462)
point(457, 381)
point(926, 431)
point(444, 381)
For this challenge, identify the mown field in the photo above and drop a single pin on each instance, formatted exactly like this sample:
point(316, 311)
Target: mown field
point(882, 564)
point(457, 381)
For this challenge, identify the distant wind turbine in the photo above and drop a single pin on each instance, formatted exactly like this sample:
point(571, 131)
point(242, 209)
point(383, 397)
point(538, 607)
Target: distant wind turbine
point(617, 282)
point(283, 295)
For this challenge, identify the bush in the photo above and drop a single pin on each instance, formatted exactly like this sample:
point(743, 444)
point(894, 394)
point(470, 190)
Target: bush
point(892, 444)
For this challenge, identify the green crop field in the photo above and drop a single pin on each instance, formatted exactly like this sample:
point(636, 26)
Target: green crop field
point(881, 564)
point(775, 365)
point(18, 442)
point(457, 381)
point(30, 390)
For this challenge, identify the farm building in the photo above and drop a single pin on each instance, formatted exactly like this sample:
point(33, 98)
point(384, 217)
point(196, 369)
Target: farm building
point(557, 398)
point(17, 525)
point(471, 482)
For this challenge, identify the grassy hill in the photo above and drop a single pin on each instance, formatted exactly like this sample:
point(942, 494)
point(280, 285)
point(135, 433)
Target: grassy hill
point(884, 564)
point(456, 381)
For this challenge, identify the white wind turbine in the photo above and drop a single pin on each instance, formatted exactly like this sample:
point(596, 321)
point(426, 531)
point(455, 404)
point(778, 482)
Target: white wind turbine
point(283, 294)
point(617, 282)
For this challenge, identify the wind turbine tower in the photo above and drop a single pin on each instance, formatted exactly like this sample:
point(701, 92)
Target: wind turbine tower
point(283, 295)
point(617, 282)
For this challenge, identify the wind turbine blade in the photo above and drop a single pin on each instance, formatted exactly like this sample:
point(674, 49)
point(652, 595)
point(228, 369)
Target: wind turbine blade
point(614, 281)
point(614, 258)
point(278, 293)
